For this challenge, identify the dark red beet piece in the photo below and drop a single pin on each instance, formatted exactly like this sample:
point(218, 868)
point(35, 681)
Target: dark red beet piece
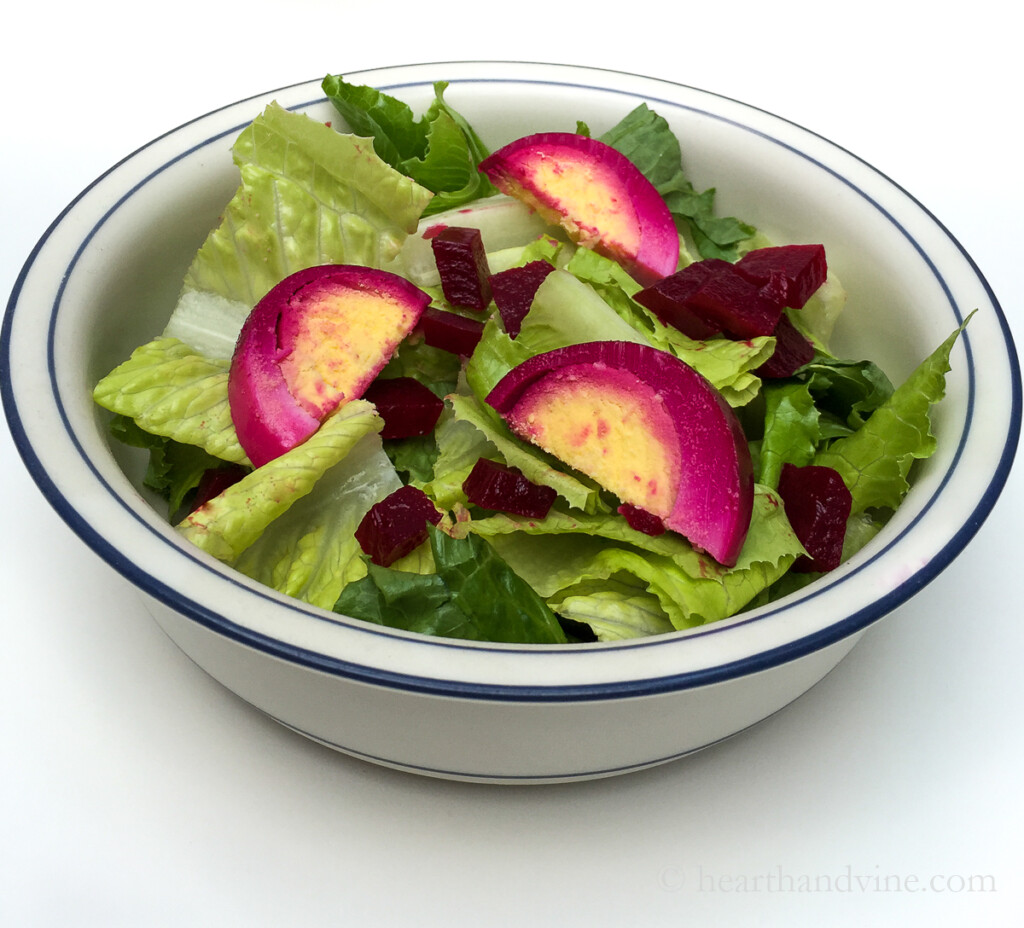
point(215, 481)
point(740, 309)
point(641, 519)
point(710, 297)
point(462, 264)
point(397, 525)
point(818, 506)
point(491, 485)
point(792, 351)
point(450, 331)
point(513, 291)
point(803, 267)
point(407, 406)
point(669, 298)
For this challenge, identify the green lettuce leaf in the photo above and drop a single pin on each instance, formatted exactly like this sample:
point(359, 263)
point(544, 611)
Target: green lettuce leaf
point(473, 595)
point(460, 444)
point(849, 391)
point(875, 460)
point(560, 316)
point(309, 195)
point(171, 391)
point(616, 609)
point(557, 554)
point(817, 317)
point(494, 356)
point(226, 525)
point(174, 469)
point(792, 429)
point(566, 311)
point(828, 398)
point(440, 150)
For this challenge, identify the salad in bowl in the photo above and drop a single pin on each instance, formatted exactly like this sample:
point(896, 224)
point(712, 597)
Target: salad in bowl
point(540, 393)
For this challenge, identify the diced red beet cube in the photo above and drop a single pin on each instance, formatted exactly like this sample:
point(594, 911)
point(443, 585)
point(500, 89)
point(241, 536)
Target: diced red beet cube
point(740, 308)
point(792, 351)
point(641, 519)
point(818, 505)
point(462, 264)
point(803, 266)
point(450, 331)
point(513, 291)
point(215, 480)
point(669, 297)
point(407, 407)
point(710, 297)
point(491, 485)
point(397, 525)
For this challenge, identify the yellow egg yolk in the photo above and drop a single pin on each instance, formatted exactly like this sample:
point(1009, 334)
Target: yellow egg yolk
point(621, 437)
point(338, 339)
point(586, 198)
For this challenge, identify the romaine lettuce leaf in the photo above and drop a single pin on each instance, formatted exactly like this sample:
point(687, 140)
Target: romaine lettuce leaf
point(460, 444)
point(557, 554)
point(454, 463)
point(495, 355)
point(171, 391)
point(565, 311)
point(310, 552)
point(207, 322)
point(875, 460)
point(226, 525)
point(309, 195)
point(615, 609)
point(817, 317)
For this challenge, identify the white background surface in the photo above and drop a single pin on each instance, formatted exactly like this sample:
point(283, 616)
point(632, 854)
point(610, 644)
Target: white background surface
point(134, 791)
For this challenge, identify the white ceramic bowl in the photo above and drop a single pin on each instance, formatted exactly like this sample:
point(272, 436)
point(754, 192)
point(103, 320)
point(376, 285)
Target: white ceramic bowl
point(104, 278)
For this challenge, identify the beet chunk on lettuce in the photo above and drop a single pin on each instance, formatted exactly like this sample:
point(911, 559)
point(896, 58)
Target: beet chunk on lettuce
point(397, 525)
point(818, 505)
point(462, 264)
point(491, 485)
point(514, 289)
point(407, 407)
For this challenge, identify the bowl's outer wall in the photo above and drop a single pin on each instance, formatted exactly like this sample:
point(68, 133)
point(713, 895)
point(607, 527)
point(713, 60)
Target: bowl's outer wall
point(495, 741)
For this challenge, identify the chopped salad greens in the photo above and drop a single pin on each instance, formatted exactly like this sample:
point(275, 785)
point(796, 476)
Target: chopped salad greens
point(312, 195)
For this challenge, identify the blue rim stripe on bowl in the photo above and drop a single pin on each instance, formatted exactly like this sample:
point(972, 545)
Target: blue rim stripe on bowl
point(808, 644)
